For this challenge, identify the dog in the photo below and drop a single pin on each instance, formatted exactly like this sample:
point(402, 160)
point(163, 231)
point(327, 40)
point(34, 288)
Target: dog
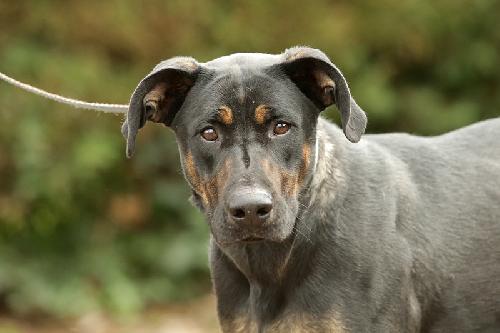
point(314, 229)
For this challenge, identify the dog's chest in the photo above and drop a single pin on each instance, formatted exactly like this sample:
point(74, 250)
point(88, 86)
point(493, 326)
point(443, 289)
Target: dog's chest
point(285, 323)
point(269, 303)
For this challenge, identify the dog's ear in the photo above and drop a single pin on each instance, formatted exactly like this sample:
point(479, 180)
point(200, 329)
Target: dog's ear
point(323, 83)
point(159, 96)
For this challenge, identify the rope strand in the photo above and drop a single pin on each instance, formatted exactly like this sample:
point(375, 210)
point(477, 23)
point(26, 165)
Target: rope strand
point(103, 107)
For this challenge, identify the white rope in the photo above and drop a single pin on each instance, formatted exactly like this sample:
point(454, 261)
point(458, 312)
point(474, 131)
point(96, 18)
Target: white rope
point(103, 107)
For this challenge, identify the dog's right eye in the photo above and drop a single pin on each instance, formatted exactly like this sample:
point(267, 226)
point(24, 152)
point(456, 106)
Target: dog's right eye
point(209, 134)
point(281, 128)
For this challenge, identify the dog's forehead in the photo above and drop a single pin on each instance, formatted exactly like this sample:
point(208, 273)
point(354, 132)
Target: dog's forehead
point(235, 79)
point(249, 60)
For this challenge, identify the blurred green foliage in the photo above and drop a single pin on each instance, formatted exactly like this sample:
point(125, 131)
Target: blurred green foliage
point(83, 228)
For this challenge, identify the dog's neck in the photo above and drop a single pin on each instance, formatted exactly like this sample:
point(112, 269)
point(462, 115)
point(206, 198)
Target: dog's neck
point(255, 281)
point(271, 263)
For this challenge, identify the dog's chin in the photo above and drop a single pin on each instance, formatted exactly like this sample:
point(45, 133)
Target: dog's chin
point(276, 233)
point(277, 230)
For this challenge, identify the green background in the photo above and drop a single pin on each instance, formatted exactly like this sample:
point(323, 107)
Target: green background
point(83, 228)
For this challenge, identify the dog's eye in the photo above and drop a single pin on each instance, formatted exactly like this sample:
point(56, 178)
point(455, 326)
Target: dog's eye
point(209, 134)
point(281, 128)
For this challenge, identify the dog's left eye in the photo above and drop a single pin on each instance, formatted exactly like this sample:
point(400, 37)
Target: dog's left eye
point(281, 128)
point(209, 134)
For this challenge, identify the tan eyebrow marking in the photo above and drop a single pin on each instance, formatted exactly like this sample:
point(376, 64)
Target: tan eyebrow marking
point(260, 113)
point(226, 115)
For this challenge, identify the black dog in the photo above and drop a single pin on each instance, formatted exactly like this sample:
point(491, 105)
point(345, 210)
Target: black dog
point(312, 233)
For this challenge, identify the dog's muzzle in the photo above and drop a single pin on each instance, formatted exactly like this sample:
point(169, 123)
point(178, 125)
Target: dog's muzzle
point(250, 208)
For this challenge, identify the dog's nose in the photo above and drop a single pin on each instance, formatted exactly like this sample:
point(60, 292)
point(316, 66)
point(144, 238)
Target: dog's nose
point(250, 206)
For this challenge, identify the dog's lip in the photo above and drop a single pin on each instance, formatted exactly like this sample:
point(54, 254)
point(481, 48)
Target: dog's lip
point(252, 239)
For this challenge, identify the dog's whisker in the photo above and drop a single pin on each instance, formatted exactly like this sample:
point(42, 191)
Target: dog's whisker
point(298, 231)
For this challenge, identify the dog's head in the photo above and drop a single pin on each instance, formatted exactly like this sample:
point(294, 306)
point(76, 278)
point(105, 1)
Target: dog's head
point(246, 130)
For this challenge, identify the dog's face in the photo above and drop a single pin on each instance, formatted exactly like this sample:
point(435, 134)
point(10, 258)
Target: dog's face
point(246, 129)
point(246, 138)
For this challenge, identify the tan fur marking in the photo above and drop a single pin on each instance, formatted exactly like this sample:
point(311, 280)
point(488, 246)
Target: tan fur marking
point(226, 115)
point(156, 94)
point(191, 173)
point(213, 186)
point(194, 178)
point(240, 325)
point(335, 325)
point(324, 81)
point(288, 323)
point(209, 189)
point(297, 55)
point(270, 171)
point(155, 98)
point(289, 183)
point(164, 95)
point(261, 113)
point(187, 64)
point(306, 161)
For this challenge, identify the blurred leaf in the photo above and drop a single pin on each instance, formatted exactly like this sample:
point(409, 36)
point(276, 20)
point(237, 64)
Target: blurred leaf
point(82, 228)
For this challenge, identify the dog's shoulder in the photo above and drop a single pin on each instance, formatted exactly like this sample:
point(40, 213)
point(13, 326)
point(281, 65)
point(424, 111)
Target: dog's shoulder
point(476, 139)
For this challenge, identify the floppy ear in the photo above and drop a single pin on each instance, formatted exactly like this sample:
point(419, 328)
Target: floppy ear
point(159, 96)
point(323, 83)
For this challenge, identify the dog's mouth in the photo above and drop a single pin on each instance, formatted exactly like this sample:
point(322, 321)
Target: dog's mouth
point(252, 239)
point(242, 241)
point(227, 233)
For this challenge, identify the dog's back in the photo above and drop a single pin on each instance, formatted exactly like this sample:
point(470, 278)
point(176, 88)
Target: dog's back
point(452, 223)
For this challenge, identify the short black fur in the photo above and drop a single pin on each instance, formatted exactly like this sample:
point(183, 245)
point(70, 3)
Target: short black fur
point(394, 234)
